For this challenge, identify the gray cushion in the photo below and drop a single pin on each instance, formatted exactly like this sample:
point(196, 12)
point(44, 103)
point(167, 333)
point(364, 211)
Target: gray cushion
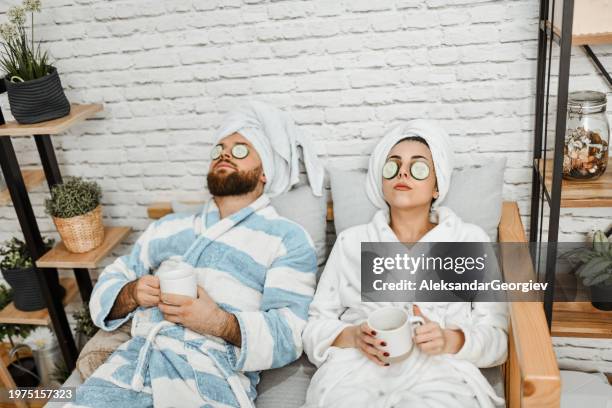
point(301, 206)
point(495, 377)
point(285, 387)
point(475, 195)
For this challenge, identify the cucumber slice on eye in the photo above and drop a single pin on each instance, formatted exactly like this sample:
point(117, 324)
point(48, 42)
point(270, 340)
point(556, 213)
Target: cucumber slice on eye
point(240, 151)
point(215, 153)
point(419, 170)
point(390, 169)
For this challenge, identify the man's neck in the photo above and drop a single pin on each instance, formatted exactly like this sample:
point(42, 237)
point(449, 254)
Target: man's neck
point(229, 205)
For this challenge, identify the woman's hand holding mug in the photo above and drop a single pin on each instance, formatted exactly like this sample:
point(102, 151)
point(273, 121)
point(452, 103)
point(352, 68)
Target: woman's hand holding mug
point(362, 337)
point(432, 339)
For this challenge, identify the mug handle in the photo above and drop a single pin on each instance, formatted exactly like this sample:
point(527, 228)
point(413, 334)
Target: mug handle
point(417, 320)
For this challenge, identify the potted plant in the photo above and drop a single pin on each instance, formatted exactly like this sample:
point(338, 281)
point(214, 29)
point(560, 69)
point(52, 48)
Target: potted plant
point(33, 85)
point(595, 269)
point(23, 368)
point(76, 211)
point(85, 328)
point(18, 270)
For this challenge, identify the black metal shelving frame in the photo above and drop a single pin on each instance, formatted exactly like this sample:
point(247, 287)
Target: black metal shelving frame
point(33, 238)
point(540, 195)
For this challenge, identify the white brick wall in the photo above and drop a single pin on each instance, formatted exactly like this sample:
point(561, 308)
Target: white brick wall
point(166, 71)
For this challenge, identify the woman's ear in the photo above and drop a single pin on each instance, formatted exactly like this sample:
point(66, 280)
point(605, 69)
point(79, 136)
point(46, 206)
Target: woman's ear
point(436, 194)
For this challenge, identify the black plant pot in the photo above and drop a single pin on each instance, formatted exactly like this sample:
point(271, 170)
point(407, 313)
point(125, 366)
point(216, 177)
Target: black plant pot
point(601, 292)
point(37, 100)
point(27, 295)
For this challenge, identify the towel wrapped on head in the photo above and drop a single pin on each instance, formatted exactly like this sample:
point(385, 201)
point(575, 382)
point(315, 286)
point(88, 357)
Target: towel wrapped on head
point(276, 138)
point(441, 153)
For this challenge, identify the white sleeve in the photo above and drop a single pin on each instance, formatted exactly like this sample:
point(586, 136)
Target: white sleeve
point(486, 328)
point(486, 334)
point(324, 323)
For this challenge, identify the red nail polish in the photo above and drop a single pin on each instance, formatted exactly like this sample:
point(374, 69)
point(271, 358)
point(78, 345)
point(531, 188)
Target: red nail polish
point(373, 333)
point(383, 344)
point(386, 364)
point(386, 354)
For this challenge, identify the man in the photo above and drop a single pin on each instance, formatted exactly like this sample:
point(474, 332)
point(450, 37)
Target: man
point(256, 275)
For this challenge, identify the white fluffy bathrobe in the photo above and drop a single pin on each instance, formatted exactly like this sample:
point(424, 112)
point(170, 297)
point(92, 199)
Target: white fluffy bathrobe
point(345, 377)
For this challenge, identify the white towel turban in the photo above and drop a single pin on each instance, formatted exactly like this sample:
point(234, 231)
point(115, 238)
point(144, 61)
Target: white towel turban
point(441, 152)
point(276, 138)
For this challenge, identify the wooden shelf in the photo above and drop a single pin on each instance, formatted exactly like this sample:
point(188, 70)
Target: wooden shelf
point(60, 257)
point(11, 315)
point(591, 22)
point(32, 179)
point(77, 114)
point(600, 38)
point(580, 319)
point(586, 193)
point(160, 209)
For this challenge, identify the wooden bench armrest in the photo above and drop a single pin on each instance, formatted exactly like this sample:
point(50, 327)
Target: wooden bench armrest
point(532, 373)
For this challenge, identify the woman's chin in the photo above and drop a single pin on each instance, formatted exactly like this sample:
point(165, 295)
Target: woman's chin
point(405, 203)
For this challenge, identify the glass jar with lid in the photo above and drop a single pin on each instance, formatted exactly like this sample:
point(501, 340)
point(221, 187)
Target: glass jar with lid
point(587, 137)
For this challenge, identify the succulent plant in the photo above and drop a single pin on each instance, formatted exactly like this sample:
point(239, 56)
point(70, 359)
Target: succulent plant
point(595, 264)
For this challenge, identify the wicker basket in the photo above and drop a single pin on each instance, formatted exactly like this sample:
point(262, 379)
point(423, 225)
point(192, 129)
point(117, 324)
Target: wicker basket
point(81, 233)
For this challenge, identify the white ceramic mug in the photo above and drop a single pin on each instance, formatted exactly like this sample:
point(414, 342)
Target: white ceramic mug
point(394, 326)
point(177, 278)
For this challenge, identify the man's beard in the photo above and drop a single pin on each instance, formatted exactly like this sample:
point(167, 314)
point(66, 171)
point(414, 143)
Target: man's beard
point(235, 183)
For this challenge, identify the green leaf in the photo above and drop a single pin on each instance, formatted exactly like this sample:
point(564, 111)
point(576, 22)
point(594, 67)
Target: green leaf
point(599, 279)
point(594, 267)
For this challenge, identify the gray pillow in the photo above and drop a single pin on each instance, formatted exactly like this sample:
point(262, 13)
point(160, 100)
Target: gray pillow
point(299, 205)
point(475, 195)
point(285, 387)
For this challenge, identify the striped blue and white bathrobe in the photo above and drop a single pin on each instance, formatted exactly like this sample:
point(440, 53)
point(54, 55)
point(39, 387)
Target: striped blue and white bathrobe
point(255, 264)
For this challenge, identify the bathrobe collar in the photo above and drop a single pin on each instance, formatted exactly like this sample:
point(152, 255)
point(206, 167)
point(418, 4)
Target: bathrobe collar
point(211, 214)
point(443, 217)
point(213, 227)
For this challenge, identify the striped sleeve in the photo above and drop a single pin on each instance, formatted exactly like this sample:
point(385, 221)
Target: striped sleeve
point(272, 337)
point(115, 276)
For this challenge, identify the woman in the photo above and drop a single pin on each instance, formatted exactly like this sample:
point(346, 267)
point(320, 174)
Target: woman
point(456, 339)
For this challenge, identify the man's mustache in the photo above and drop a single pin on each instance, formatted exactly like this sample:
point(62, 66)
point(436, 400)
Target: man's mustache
point(228, 162)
